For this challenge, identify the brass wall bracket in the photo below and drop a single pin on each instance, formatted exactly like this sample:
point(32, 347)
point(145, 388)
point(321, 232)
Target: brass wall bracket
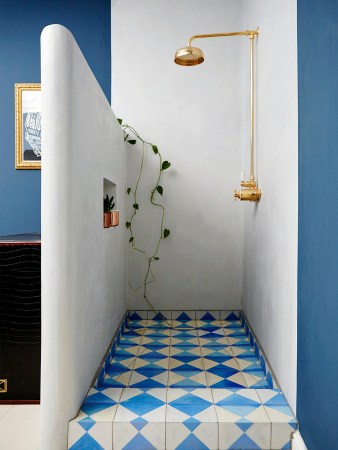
point(249, 195)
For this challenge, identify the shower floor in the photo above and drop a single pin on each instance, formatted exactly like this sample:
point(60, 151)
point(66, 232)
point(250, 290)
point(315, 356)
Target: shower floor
point(195, 381)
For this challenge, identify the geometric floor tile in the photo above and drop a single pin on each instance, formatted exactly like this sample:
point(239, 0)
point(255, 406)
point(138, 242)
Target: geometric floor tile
point(259, 433)
point(241, 414)
point(183, 436)
point(216, 360)
point(118, 381)
point(254, 380)
point(181, 396)
point(195, 381)
point(244, 436)
point(98, 437)
point(180, 362)
point(280, 435)
point(138, 315)
point(149, 378)
point(229, 433)
point(138, 436)
point(183, 316)
point(187, 379)
point(144, 413)
point(225, 379)
point(134, 395)
point(191, 412)
point(208, 316)
point(235, 396)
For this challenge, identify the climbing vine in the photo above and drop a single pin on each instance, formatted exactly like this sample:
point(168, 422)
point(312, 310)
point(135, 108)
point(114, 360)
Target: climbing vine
point(131, 136)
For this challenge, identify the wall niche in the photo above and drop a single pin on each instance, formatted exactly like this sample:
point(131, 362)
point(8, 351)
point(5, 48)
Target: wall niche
point(111, 215)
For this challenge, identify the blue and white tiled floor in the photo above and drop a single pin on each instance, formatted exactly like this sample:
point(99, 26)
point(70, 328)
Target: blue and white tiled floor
point(196, 381)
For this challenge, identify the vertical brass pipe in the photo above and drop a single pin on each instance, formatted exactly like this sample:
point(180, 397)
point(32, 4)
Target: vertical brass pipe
point(252, 108)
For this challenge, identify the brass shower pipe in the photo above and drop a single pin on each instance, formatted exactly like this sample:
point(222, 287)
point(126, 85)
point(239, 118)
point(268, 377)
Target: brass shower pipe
point(190, 56)
point(235, 33)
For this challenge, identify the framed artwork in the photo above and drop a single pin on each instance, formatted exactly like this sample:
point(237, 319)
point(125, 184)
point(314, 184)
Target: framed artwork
point(27, 126)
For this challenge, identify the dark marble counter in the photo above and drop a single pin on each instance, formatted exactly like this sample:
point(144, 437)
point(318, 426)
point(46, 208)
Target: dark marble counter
point(21, 239)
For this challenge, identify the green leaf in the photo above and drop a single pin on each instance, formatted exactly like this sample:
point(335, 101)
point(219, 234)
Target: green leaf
point(128, 191)
point(131, 239)
point(156, 258)
point(166, 233)
point(107, 203)
point(128, 224)
point(135, 205)
point(166, 165)
point(160, 190)
point(132, 141)
point(155, 149)
point(120, 121)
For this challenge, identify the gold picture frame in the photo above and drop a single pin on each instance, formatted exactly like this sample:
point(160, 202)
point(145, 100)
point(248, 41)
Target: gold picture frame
point(3, 386)
point(28, 126)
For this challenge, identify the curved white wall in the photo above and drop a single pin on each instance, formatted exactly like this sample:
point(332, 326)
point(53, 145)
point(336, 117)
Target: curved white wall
point(83, 265)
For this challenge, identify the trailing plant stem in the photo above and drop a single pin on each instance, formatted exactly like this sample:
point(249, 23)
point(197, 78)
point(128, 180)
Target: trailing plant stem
point(149, 275)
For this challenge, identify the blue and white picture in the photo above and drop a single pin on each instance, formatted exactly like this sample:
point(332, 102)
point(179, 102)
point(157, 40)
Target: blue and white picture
point(32, 136)
point(28, 126)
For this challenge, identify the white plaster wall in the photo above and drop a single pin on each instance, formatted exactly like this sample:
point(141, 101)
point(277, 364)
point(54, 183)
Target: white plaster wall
point(199, 117)
point(194, 115)
point(83, 265)
point(270, 237)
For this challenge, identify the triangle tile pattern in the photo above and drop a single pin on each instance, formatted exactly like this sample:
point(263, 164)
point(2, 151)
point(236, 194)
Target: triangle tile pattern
point(86, 441)
point(194, 380)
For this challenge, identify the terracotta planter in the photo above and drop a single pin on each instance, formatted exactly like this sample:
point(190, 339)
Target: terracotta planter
point(106, 220)
point(115, 218)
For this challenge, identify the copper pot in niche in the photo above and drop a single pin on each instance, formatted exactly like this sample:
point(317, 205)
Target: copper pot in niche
point(107, 220)
point(115, 218)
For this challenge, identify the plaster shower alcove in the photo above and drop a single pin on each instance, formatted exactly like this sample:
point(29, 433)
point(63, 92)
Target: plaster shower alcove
point(223, 261)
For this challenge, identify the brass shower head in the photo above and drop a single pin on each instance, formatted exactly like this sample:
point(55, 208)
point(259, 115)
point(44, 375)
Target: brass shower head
point(189, 56)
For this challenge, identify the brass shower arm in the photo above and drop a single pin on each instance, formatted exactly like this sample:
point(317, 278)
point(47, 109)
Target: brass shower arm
point(251, 33)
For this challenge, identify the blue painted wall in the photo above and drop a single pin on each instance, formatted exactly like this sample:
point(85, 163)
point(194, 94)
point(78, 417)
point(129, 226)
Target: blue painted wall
point(317, 397)
point(21, 23)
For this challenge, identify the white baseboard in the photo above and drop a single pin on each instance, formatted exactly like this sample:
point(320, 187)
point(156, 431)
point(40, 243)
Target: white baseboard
point(297, 442)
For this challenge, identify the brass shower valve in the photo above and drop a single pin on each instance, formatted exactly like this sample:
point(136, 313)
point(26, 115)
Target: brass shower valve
point(249, 184)
point(248, 194)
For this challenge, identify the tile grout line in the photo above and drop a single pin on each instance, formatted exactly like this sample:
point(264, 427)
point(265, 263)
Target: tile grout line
point(112, 424)
point(166, 405)
point(270, 435)
point(134, 359)
point(200, 347)
point(239, 367)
